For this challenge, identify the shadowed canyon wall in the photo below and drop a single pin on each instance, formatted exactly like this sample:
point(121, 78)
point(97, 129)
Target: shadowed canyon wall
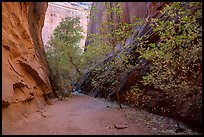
point(146, 10)
point(143, 10)
point(25, 73)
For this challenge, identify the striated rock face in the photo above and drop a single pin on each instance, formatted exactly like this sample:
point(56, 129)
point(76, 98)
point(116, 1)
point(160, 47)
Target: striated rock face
point(133, 9)
point(25, 73)
point(93, 25)
point(57, 11)
point(130, 11)
point(153, 8)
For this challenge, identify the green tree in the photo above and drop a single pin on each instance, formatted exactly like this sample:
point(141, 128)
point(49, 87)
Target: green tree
point(63, 53)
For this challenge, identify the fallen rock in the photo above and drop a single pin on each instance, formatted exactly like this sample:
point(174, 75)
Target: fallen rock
point(44, 114)
point(25, 114)
point(121, 126)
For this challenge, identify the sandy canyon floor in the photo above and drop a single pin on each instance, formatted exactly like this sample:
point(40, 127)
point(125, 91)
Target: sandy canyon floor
point(84, 115)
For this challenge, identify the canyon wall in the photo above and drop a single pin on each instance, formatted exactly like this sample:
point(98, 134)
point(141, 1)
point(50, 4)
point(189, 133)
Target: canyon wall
point(57, 11)
point(143, 10)
point(192, 115)
point(130, 10)
point(25, 73)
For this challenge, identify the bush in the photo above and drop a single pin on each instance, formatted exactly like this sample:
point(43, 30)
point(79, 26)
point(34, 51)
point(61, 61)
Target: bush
point(177, 57)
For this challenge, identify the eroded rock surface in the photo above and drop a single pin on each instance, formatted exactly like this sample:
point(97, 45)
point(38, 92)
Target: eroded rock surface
point(25, 73)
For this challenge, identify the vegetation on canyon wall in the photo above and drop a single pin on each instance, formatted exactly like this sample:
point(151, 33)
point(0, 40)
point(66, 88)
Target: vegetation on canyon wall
point(177, 57)
point(176, 60)
point(113, 35)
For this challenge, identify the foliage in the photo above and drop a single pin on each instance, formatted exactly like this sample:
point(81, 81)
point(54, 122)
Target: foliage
point(177, 57)
point(63, 53)
point(95, 52)
point(110, 41)
point(136, 95)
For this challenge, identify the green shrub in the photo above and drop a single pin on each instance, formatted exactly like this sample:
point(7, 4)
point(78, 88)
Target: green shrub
point(177, 57)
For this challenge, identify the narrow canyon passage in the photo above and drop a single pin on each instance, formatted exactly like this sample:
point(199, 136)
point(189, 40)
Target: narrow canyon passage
point(98, 49)
point(81, 114)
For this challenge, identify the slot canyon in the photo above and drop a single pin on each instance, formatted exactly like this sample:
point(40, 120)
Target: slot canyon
point(31, 102)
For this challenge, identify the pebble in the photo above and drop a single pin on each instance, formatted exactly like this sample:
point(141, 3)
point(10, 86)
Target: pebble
point(25, 114)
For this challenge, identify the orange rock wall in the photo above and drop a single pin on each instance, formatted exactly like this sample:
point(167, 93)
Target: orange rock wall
point(25, 73)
